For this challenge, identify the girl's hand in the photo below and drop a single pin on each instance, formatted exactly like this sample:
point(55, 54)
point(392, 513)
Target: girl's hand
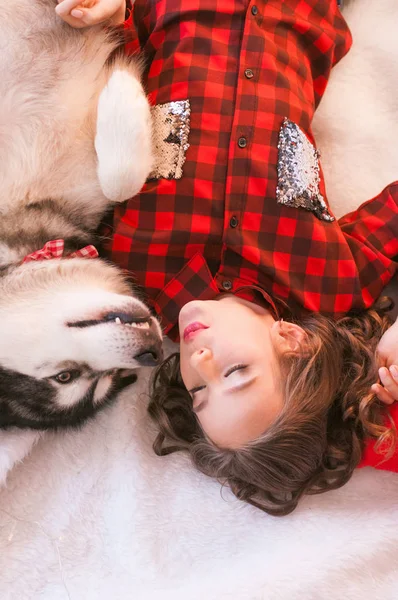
point(388, 392)
point(387, 355)
point(85, 13)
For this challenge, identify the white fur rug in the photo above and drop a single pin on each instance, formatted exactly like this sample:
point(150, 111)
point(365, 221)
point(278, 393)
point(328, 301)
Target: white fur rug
point(95, 515)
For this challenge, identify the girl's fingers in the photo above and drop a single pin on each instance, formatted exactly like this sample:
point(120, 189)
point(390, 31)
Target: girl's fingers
point(76, 13)
point(394, 373)
point(388, 391)
point(102, 11)
point(65, 7)
point(382, 394)
point(85, 13)
point(388, 381)
point(72, 12)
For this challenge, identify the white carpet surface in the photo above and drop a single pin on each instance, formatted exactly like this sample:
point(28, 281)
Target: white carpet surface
point(95, 515)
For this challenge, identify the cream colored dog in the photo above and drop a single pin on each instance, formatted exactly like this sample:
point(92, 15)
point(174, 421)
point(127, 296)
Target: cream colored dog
point(75, 137)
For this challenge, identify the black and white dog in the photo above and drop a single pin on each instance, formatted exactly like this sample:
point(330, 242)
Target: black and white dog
point(75, 137)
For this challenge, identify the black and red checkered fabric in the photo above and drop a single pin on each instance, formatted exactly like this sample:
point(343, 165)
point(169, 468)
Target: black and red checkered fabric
point(245, 66)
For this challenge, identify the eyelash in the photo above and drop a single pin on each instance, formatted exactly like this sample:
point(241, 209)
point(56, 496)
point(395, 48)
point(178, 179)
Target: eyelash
point(227, 374)
point(235, 368)
point(196, 389)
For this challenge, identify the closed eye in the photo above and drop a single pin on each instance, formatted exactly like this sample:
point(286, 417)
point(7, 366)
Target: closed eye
point(235, 368)
point(196, 389)
point(239, 367)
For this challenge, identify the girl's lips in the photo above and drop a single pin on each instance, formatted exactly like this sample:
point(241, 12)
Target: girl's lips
point(192, 329)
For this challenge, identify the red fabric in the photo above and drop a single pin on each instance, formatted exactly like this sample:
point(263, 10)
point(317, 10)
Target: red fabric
point(220, 228)
point(372, 459)
point(195, 282)
point(55, 249)
point(200, 50)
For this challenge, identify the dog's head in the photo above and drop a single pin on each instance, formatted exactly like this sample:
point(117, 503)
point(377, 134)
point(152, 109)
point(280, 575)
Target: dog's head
point(71, 331)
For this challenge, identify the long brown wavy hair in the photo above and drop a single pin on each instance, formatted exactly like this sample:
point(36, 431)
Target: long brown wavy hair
point(318, 439)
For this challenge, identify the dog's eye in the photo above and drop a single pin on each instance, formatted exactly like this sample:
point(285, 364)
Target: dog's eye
point(66, 376)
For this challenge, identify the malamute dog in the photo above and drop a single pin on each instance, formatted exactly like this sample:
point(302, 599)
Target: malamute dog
point(75, 136)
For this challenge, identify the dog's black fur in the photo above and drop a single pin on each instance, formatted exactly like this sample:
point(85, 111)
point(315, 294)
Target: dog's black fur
point(27, 402)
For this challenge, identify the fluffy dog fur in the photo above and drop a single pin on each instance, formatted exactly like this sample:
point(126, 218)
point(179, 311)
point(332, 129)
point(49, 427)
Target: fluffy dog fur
point(75, 137)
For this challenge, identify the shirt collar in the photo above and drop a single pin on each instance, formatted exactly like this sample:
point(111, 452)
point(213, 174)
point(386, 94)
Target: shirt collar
point(195, 282)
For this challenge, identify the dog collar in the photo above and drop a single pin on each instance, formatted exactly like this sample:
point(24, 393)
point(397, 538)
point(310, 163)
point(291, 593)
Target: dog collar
point(55, 249)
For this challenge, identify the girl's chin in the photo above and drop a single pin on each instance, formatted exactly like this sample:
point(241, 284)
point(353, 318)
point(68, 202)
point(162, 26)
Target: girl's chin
point(190, 312)
point(259, 308)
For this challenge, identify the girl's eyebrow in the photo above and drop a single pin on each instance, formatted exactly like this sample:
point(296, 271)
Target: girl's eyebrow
point(244, 384)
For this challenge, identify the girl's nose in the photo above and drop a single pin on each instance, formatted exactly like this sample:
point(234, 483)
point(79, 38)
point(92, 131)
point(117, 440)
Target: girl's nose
point(202, 362)
point(201, 356)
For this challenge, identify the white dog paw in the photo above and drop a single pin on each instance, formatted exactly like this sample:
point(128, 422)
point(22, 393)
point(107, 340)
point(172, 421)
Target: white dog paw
point(124, 137)
point(15, 445)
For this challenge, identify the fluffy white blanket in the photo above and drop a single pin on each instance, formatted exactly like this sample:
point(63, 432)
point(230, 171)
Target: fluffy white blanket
point(95, 515)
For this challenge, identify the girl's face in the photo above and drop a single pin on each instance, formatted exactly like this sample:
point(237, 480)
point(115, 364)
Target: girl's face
point(230, 352)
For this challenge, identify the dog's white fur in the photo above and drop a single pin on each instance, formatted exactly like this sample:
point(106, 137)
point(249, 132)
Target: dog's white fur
point(53, 80)
point(120, 133)
point(75, 137)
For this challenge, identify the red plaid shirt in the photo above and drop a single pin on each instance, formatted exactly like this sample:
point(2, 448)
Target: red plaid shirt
point(237, 216)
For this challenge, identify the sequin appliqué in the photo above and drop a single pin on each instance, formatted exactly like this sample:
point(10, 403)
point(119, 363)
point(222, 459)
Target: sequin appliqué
point(298, 172)
point(171, 125)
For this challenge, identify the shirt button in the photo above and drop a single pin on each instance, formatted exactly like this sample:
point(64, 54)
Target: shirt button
point(234, 222)
point(254, 10)
point(242, 142)
point(249, 74)
point(227, 285)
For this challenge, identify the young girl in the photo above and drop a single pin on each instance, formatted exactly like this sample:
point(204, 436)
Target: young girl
point(233, 240)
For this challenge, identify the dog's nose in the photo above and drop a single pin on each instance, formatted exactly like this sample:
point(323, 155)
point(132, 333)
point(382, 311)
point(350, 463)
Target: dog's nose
point(150, 358)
